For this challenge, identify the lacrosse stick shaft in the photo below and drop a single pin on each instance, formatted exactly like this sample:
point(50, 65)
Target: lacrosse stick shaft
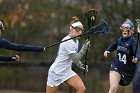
point(136, 45)
point(86, 55)
point(65, 40)
point(138, 30)
point(91, 16)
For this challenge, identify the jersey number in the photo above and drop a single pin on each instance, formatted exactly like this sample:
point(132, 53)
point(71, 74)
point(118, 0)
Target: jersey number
point(122, 58)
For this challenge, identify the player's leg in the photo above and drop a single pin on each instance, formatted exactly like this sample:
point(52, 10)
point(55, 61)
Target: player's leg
point(51, 89)
point(52, 85)
point(114, 78)
point(76, 83)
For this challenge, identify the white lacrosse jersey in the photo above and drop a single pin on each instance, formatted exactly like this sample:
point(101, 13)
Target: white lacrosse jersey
point(61, 69)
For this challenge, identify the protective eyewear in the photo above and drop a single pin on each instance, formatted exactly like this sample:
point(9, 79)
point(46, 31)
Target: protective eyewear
point(78, 29)
point(125, 28)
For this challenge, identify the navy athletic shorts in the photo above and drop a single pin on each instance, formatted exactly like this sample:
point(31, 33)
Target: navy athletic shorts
point(125, 79)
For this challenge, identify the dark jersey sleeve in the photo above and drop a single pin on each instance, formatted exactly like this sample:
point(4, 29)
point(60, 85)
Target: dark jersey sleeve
point(112, 46)
point(6, 58)
point(19, 47)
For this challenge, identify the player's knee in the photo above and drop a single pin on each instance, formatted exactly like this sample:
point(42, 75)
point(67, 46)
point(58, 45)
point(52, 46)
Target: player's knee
point(113, 90)
point(81, 88)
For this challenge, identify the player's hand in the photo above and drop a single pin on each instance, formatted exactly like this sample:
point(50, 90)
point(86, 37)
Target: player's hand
point(86, 45)
point(44, 49)
point(16, 58)
point(82, 66)
point(135, 60)
point(106, 53)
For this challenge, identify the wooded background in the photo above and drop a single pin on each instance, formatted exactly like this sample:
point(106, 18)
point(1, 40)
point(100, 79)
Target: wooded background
point(44, 22)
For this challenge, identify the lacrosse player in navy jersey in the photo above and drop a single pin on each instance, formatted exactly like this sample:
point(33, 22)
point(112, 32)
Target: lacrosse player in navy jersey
point(6, 44)
point(123, 68)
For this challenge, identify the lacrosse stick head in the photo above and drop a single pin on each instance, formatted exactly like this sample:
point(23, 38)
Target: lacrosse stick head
point(138, 27)
point(91, 17)
point(101, 27)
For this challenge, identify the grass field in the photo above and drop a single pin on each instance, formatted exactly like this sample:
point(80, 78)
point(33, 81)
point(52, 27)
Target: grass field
point(15, 91)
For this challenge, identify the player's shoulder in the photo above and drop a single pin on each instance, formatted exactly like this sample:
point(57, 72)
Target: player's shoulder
point(66, 38)
point(118, 38)
point(133, 39)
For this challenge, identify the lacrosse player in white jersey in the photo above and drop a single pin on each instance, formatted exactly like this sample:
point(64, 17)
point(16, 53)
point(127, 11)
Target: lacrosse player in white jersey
point(61, 70)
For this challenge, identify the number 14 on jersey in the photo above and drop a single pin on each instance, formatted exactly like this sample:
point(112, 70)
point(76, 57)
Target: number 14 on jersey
point(122, 58)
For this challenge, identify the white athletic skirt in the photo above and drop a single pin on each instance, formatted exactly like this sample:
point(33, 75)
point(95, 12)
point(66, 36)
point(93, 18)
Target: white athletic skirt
point(57, 79)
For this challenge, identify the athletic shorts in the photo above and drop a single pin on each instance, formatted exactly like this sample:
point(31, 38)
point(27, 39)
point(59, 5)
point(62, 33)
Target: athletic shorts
point(125, 79)
point(57, 79)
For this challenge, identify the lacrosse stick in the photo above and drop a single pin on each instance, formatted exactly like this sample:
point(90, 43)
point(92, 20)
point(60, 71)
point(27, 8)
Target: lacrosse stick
point(101, 27)
point(138, 30)
point(91, 17)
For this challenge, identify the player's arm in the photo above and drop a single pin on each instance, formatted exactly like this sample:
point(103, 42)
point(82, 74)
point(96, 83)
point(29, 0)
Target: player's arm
point(9, 58)
point(76, 57)
point(112, 47)
point(20, 47)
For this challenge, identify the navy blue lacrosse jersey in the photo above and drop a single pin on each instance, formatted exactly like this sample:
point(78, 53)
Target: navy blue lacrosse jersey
point(125, 48)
